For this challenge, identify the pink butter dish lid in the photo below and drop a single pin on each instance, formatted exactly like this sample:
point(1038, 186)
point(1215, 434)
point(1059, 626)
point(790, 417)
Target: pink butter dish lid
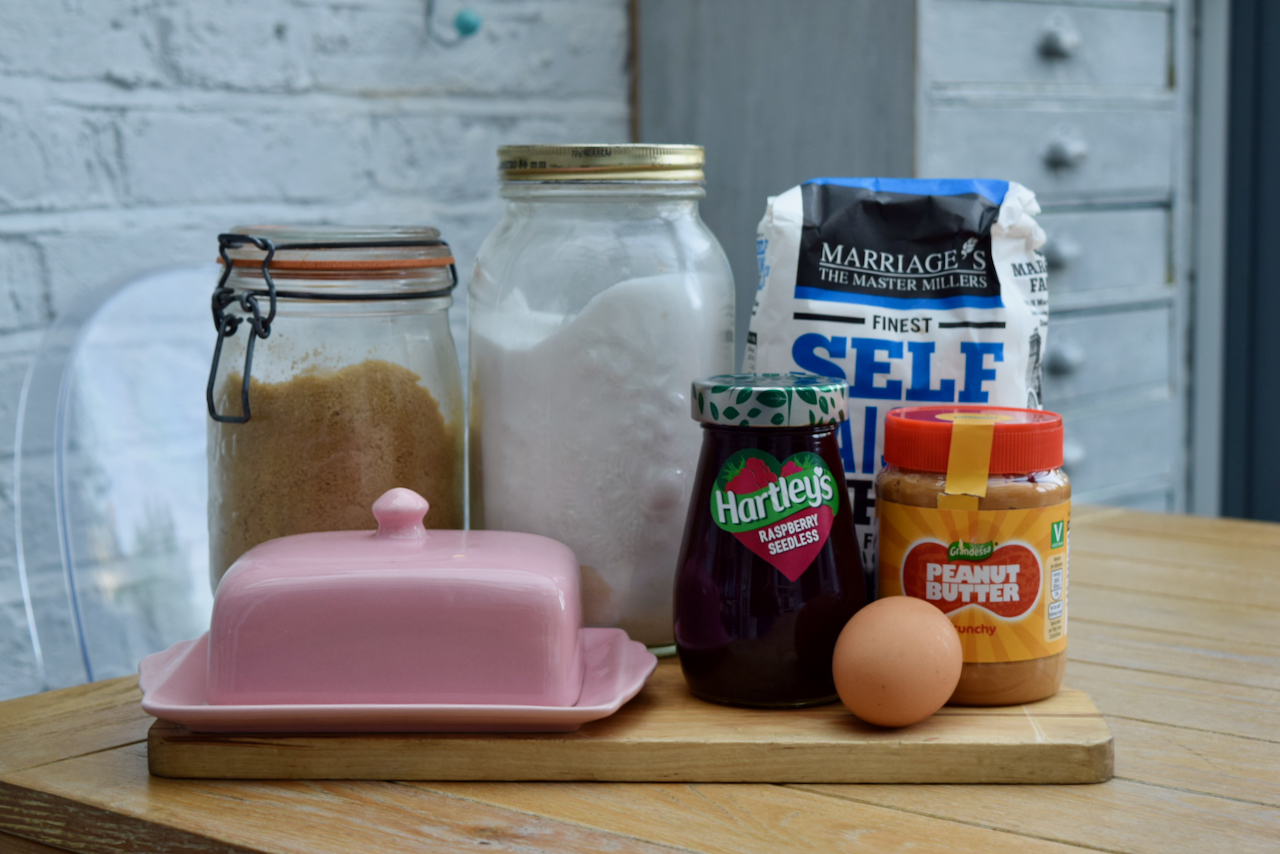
point(399, 615)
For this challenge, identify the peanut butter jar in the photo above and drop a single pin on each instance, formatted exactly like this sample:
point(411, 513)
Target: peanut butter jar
point(972, 515)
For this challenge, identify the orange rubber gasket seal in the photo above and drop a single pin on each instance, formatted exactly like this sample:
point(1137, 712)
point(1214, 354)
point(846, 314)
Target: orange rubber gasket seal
point(371, 264)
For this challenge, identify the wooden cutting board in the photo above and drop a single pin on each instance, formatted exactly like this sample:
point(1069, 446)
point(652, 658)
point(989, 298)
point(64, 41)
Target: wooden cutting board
point(667, 735)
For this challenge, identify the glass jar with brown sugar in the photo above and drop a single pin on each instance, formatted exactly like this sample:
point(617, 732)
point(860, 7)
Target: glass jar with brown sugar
point(972, 514)
point(354, 388)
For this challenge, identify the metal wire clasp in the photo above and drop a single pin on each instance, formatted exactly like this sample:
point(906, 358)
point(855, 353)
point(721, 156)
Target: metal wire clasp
point(227, 324)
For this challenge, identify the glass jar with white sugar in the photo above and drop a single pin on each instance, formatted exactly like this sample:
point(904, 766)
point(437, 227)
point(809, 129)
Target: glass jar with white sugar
point(593, 305)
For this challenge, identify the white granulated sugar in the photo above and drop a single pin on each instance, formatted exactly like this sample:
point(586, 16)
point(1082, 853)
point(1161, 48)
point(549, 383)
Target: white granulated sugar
point(586, 435)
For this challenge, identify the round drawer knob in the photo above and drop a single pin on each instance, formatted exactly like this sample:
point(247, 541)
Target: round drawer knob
point(1060, 39)
point(1061, 252)
point(1064, 359)
point(1065, 151)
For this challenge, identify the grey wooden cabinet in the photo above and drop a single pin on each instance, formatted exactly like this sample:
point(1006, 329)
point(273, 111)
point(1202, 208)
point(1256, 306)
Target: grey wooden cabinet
point(1087, 102)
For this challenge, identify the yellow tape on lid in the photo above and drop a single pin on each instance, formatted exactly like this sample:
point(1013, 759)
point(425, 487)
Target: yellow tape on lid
point(968, 460)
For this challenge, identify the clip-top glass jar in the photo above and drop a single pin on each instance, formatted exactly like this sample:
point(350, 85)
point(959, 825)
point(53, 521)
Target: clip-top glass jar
point(595, 301)
point(770, 572)
point(354, 388)
point(972, 514)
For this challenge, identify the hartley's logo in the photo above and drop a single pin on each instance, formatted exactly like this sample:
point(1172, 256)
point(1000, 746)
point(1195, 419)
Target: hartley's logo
point(782, 512)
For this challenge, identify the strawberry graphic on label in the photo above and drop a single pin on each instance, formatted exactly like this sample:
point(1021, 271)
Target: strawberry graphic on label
point(755, 476)
point(781, 512)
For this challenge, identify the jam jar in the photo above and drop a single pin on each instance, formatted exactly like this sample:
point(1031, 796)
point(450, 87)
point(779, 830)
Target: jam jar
point(769, 570)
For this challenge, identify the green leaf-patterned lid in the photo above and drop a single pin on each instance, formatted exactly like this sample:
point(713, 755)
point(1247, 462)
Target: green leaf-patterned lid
point(770, 400)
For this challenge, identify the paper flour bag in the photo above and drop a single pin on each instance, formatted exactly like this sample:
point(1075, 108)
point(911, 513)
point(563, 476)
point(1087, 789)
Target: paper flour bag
point(916, 291)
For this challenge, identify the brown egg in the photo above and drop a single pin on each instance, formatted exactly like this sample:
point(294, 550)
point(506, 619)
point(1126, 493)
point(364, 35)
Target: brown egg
point(897, 661)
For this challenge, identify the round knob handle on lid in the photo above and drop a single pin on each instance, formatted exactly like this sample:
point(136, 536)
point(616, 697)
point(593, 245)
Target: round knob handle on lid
point(400, 513)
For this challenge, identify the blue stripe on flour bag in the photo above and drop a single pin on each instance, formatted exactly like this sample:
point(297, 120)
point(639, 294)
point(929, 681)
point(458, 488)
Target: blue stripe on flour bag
point(986, 187)
point(896, 302)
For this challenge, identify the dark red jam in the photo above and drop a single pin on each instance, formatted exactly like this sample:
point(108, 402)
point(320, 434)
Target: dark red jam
point(769, 571)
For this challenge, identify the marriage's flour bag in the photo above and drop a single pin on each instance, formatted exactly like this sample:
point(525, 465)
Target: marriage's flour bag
point(916, 291)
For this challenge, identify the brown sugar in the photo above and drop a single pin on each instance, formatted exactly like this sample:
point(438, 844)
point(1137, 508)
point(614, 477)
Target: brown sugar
point(319, 450)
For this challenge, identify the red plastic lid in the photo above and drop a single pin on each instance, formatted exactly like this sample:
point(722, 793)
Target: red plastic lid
point(1025, 440)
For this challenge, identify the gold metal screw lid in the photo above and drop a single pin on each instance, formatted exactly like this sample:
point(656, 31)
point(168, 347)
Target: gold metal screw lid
point(628, 162)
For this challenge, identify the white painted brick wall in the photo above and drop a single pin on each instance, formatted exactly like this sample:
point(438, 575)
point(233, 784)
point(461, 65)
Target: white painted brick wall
point(133, 131)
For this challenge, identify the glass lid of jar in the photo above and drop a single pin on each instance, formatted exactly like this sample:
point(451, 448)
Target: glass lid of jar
point(337, 264)
point(346, 253)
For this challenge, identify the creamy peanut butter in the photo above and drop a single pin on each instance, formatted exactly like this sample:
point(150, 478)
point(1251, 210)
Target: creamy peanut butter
point(991, 683)
point(972, 515)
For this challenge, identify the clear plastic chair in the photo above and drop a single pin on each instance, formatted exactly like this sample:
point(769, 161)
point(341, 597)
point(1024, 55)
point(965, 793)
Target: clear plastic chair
point(110, 482)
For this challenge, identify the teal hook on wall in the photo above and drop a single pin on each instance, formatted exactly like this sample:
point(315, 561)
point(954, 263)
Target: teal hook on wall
point(466, 24)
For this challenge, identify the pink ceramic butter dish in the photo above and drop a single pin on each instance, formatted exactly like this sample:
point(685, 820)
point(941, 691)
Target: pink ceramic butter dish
point(174, 685)
point(400, 615)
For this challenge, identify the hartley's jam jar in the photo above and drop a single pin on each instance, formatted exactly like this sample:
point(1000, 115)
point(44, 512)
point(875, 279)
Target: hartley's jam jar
point(972, 514)
point(769, 571)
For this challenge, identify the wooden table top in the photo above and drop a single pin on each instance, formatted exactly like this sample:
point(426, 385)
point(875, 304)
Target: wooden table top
point(1173, 634)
